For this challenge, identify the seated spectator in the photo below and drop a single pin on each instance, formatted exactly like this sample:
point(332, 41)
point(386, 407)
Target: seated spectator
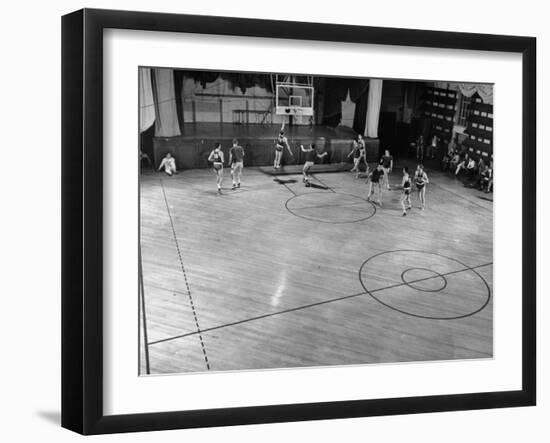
point(455, 160)
point(471, 169)
point(480, 167)
point(169, 164)
point(487, 180)
point(468, 164)
point(482, 175)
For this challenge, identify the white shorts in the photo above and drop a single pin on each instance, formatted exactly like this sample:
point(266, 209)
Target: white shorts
point(236, 165)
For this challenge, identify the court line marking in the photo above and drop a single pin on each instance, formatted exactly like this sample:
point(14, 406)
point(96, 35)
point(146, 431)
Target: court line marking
point(144, 318)
point(462, 197)
point(322, 182)
point(311, 305)
point(284, 184)
point(329, 221)
point(473, 269)
point(185, 279)
point(340, 205)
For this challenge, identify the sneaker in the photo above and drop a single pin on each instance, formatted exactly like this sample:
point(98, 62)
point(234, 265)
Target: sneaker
point(404, 213)
point(233, 187)
point(238, 185)
point(219, 190)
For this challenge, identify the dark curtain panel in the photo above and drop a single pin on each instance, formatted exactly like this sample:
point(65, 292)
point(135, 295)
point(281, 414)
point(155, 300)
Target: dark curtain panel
point(359, 94)
point(178, 85)
point(335, 92)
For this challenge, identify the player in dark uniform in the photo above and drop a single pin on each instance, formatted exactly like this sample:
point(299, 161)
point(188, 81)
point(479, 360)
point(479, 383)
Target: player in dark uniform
point(387, 166)
point(359, 153)
point(216, 158)
point(374, 183)
point(236, 155)
point(406, 196)
point(310, 154)
point(280, 144)
point(420, 181)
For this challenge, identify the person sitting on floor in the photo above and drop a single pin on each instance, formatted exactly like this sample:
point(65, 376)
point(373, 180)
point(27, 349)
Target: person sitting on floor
point(169, 164)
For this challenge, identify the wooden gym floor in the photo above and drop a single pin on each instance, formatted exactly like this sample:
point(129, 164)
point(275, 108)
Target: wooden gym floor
point(277, 275)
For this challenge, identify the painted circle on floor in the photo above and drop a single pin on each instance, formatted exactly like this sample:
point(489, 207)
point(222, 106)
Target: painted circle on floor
point(424, 279)
point(425, 284)
point(330, 207)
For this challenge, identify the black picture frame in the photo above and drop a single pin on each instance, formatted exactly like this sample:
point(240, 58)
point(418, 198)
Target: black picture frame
point(82, 218)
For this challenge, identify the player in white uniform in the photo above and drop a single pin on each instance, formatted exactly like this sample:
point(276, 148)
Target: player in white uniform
point(216, 158)
point(169, 164)
point(420, 181)
point(280, 144)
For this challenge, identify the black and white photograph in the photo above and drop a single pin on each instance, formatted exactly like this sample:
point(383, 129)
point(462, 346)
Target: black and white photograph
point(296, 220)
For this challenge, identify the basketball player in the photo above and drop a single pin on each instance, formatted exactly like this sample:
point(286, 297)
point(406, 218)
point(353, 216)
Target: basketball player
point(236, 155)
point(421, 180)
point(387, 166)
point(310, 154)
point(216, 158)
point(374, 183)
point(280, 144)
point(169, 164)
point(406, 196)
point(359, 153)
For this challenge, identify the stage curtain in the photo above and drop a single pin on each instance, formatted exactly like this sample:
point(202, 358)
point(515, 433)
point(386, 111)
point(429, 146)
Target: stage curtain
point(469, 89)
point(359, 95)
point(164, 93)
point(146, 101)
point(336, 91)
point(373, 107)
point(178, 86)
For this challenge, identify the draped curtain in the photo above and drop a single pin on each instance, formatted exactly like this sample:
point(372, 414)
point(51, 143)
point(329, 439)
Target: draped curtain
point(164, 93)
point(339, 90)
point(468, 89)
point(373, 107)
point(146, 101)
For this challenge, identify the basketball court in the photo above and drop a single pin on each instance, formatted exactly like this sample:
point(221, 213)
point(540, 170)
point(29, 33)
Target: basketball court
point(277, 275)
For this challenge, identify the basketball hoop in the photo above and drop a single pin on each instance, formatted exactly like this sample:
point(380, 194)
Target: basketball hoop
point(294, 99)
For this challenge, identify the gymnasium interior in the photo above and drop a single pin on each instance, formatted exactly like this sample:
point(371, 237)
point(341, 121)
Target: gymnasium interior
point(276, 274)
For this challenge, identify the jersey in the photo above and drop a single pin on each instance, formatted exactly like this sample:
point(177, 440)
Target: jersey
point(386, 161)
point(237, 154)
point(375, 177)
point(169, 163)
point(216, 157)
point(310, 155)
point(420, 179)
